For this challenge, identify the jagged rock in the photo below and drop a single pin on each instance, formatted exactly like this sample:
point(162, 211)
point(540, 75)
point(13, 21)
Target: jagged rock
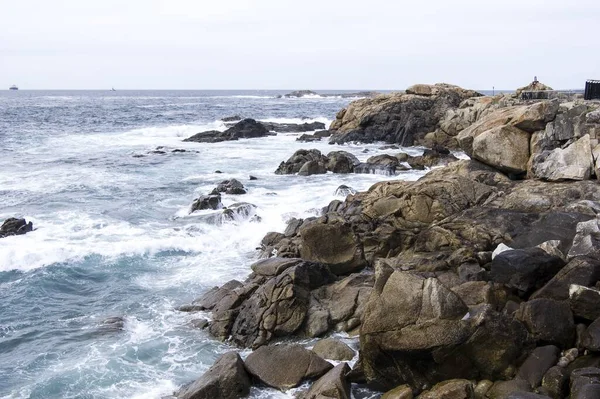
point(528, 118)
point(285, 366)
point(396, 118)
point(333, 349)
point(232, 186)
point(15, 227)
point(451, 389)
point(525, 269)
point(591, 337)
point(332, 385)
point(582, 270)
point(533, 86)
point(339, 306)
point(548, 321)
point(226, 379)
point(505, 148)
point(246, 128)
point(587, 239)
point(298, 160)
point(341, 162)
point(537, 364)
point(207, 202)
point(585, 302)
point(574, 162)
point(414, 345)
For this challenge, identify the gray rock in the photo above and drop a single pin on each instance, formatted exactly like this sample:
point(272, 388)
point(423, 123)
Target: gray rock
point(587, 239)
point(232, 186)
point(574, 162)
point(580, 378)
point(556, 382)
point(537, 364)
point(503, 389)
point(14, 227)
point(226, 379)
point(585, 302)
point(207, 202)
point(332, 385)
point(341, 162)
point(525, 269)
point(285, 366)
point(582, 270)
point(297, 161)
point(591, 337)
point(548, 321)
point(312, 168)
point(451, 389)
point(333, 349)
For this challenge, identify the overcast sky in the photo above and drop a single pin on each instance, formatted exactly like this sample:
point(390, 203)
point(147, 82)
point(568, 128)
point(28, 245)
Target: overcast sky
point(296, 44)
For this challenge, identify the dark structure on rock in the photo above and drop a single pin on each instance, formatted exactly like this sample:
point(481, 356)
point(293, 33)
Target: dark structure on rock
point(592, 90)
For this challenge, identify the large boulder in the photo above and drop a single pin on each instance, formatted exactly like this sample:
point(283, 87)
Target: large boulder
point(299, 159)
point(232, 186)
point(285, 366)
point(505, 148)
point(582, 270)
point(226, 379)
point(587, 239)
point(333, 349)
point(333, 385)
point(417, 331)
point(526, 269)
point(15, 227)
point(585, 302)
point(205, 202)
point(528, 118)
point(548, 321)
point(333, 244)
point(402, 118)
point(591, 337)
point(341, 162)
point(312, 168)
point(537, 364)
point(574, 162)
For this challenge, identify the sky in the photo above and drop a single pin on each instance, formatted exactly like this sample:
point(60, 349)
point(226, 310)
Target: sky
point(297, 44)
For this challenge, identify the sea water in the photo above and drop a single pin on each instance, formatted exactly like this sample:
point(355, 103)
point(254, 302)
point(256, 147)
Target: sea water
point(114, 236)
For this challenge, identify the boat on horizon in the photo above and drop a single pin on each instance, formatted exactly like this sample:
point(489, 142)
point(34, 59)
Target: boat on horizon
point(13, 87)
point(113, 89)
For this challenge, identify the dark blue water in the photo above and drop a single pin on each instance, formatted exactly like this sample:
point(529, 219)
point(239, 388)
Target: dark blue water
point(114, 236)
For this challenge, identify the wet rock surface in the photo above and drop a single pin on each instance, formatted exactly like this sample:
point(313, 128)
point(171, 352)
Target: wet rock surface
point(15, 227)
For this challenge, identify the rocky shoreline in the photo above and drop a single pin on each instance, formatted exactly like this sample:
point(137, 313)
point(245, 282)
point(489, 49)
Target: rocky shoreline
point(479, 280)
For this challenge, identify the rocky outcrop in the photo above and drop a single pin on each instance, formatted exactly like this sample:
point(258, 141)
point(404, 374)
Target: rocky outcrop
point(402, 118)
point(246, 128)
point(233, 186)
point(285, 366)
point(207, 202)
point(574, 162)
point(226, 379)
point(15, 227)
point(299, 159)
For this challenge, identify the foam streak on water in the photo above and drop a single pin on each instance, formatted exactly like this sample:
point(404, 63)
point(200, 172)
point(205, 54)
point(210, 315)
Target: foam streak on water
point(114, 236)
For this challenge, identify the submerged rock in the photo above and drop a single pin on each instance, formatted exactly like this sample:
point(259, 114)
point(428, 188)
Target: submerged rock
point(15, 227)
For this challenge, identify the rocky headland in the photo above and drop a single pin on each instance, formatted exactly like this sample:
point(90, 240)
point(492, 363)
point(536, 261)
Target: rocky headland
point(479, 280)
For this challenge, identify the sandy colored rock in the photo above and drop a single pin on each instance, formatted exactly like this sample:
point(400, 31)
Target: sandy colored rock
point(505, 148)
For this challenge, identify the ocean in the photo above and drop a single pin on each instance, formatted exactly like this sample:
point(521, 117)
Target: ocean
point(114, 236)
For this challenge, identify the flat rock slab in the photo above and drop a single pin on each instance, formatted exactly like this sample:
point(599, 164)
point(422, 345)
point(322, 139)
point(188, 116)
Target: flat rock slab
point(285, 366)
